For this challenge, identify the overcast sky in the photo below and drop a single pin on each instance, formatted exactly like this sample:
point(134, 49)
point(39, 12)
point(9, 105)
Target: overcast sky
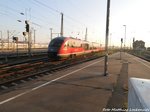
point(78, 14)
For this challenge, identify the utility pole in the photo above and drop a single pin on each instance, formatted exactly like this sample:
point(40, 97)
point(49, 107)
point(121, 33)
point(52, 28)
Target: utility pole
point(8, 39)
point(61, 30)
point(121, 48)
point(1, 35)
point(106, 40)
point(29, 43)
point(124, 37)
point(1, 42)
point(34, 38)
point(133, 43)
point(110, 41)
point(86, 35)
point(51, 33)
point(29, 37)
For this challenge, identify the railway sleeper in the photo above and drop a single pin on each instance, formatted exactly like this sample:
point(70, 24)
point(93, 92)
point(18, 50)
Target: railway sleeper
point(30, 71)
point(6, 75)
point(35, 64)
point(25, 70)
point(4, 87)
point(3, 71)
point(15, 84)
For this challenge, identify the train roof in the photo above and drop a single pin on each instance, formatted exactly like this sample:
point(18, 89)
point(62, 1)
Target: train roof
point(64, 38)
point(60, 38)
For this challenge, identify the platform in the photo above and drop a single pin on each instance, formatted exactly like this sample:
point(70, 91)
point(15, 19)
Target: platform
point(82, 88)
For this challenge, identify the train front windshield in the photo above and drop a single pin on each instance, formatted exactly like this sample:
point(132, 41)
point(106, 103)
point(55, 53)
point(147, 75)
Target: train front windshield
point(57, 42)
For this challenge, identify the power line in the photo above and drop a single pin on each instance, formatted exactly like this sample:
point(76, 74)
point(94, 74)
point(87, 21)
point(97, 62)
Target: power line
point(77, 7)
point(42, 19)
point(59, 12)
point(47, 6)
point(74, 20)
point(2, 13)
point(17, 14)
point(38, 4)
point(56, 11)
point(11, 9)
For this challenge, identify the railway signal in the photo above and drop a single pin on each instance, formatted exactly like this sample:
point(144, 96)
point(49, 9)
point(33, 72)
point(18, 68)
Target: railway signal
point(15, 39)
point(28, 33)
point(24, 33)
point(27, 26)
point(121, 40)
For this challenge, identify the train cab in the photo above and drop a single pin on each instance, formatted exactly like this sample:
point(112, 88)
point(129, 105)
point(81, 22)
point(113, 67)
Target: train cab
point(54, 47)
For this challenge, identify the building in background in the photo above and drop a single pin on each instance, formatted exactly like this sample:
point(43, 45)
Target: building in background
point(148, 48)
point(139, 45)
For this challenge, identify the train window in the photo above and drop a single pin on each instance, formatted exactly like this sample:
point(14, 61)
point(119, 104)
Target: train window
point(74, 43)
point(66, 45)
point(70, 43)
point(77, 44)
point(56, 42)
point(85, 46)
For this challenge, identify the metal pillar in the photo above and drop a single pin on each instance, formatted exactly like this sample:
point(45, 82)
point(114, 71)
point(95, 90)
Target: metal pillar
point(29, 44)
point(106, 40)
point(61, 30)
point(121, 48)
point(28, 31)
point(51, 33)
point(86, 35)
point(8, 38)
point(1, 42)
point(17, 48)
point(124, 37)
point(34, 38)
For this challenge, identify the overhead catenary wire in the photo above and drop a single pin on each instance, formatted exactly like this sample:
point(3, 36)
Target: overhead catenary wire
point(47, 6)
point(39, 19)
point(17, 13)
point(42, 22)
point(57, 11)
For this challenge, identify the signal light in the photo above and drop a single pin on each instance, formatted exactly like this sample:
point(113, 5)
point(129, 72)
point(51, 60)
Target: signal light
point(24, 33)
point(15, 39)
point(121, 40)
point(27, 26)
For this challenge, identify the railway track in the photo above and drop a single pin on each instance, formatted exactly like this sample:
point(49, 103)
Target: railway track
point(9, 75)
point(142, 57)
point(5, 59)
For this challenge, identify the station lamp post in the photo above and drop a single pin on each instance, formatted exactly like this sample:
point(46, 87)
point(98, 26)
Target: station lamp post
point(62, 26)
point(1, 41)
point(106, 39)
point(124, 36)
point(121, 47)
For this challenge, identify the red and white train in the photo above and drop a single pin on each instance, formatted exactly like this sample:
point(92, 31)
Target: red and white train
point(68, 47)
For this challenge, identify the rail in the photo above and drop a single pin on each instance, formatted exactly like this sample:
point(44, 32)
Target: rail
point(25, 70)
